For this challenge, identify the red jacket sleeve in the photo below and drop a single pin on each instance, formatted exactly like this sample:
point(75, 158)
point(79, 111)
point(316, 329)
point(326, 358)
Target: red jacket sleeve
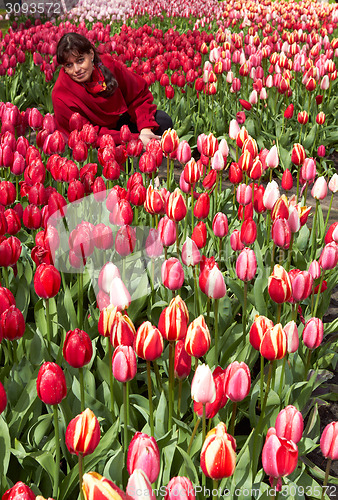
point(136, 93)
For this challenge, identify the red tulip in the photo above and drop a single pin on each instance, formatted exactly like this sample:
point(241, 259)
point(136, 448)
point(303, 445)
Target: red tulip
point(273, 344)
point(10, 251)
point(176, 206)
point(122, 330)
point(47, 281)
point(197, 341)
point(298, 154)
point(95, 486)
point(202, 206)
point(248, 232)
point(12, 323)
point(6, 299)
point(211, 409)
point(19, 491)
point(287, 180)
point(3, 397)
point(148, 342)
point(83, 434)
point(125, 240)
point(279, 285)
point(199, 234)
point(51, 384)
point(182, 364)
point(218, 456)
point(174, 320)
point(167, 231)
point(77, 348)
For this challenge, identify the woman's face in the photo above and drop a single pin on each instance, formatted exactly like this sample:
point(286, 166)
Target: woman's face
point(80, 67)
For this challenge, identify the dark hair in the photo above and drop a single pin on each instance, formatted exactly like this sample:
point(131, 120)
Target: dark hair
point(74, 43)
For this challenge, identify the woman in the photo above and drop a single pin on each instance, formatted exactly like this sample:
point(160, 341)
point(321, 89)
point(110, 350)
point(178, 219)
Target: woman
point(104, 92)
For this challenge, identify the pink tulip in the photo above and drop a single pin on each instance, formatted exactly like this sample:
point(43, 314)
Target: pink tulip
point(124, 363)
point(246, 265)
point(108, 272)
point(292, 338)
point(272, 159)
point(333, 183)
point(329, 441)
point(294, 219)
point(233, 129)
point(217, 161)
point(314, 269)
point(313, 333)
point(301, 283)
point(244, 194)
point(319, 190)
point(281, 233)
point(237, 381)
point(271, 195)
point(167, 231)
point(144, 454)
point(179, 488)
point(203, 389)
point(183, 153)
point(235, 241)
point(224, 148)
point(308, 170)
point(329, 257)
point(279, 456)
point(139, 487)
point(215, 286)
point(190, 253)
point(220, 225)
point(289, 424)
point(154, 247)
point(172, 274)
point(119, 295)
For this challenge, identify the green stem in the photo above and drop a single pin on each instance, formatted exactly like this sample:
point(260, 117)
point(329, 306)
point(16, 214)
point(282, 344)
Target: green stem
point(82, 389)
point(49, 334)
point(216, 331)
point(80, 301)
point(171, 382)
point(298, 176)
point(327, 472)
point(307, 364)
point(57, 453)
point(150, 398)
point(282, 378)
point(267, 389)
point(81, 475)
point(5, 274)
point(244, 311)
point(198, 421)
point(318, 294)
point(220, 244)
point(272, 258)
point(111, 382)
point(233, 417)
point(288, 264)
point(168, 173)
point(279, 310)
point(268, 228)
point(203, 425)
point(215, 488)
point(313, 233)
point(125, 418)
point(179, 399)
point(262, 380)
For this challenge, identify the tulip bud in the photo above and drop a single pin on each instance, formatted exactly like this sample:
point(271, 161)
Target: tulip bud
point(313, 333)
point(235, 241)
point(279, 456)
point(329, 257)
point(289, 424)
point(174, 320)
point(292, 339)
point(139, 487)
point(319, 190)
point(119, 295)
point(172, 274)
point(237, 381)
point(83, 433)
point(77, 348)
point(148, 342)
point(333, 183)
point(6, 299)
point(308, 170)
point(182, 364)
point(19, 491)
point(279, 285)
point(197, 341)
point(176, 206)
point(96, 486)
point(144, 454)
point(12, 324)
point(287, 180)
point(273, 343)
point(124, 363)
point(246, 265)
point(47, 281)
point(220, 225)
point(248, 231)
point(190, 253)
point(329, 441)
point(167, 231)
point(298, 154)
point(203, 389)
point(51, 384)
point(179, 488)
point(218, 456)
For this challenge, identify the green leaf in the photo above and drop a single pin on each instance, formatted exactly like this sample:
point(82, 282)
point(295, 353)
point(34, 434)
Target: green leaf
point(5, 444)
point(69, 306)
point(160, 416)
point(189, 467)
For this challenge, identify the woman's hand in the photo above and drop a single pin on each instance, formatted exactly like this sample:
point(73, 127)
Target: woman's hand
point(147, 135)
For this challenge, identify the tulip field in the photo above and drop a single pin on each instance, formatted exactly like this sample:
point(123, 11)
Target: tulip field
point(162, 309)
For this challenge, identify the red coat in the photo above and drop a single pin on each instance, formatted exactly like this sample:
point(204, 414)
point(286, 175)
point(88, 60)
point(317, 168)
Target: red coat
point(132, 96)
